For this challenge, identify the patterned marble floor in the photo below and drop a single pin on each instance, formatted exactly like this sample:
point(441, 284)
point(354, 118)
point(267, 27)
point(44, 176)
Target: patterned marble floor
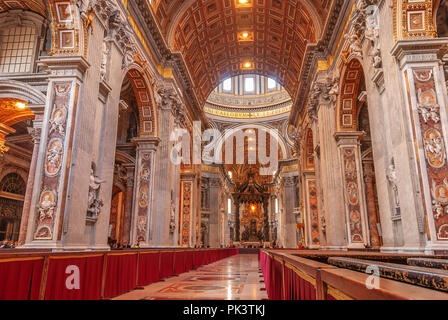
point(234, 278)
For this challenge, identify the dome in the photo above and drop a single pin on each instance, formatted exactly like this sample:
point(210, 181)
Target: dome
point(248, 97)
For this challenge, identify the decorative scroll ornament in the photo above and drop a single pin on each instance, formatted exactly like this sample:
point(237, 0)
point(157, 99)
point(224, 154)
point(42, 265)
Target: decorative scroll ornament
point(427, 105)
point(3, 148)
point(58, 120)
point(167, 98)
point(355, 45)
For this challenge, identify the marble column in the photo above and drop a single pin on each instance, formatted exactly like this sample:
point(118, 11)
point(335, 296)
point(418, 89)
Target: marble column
point(237, 235)
point(352, 182)
point(332, 210)
point(36, 134)
point(214, 190)
point(266, 228)
point(372, 213)
point(289, 216)
point(144, 205)
point(168, 104)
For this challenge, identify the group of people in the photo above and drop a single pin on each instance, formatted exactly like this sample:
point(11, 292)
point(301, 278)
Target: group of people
point(8, 244)
point(115, 245)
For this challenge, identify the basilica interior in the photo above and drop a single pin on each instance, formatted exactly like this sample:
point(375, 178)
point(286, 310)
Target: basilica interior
point(241, 149)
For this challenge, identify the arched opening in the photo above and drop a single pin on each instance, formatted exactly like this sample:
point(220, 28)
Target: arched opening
point(353, 116)
point(368, 168)
point(251, 144)
point(442, 19)
point(12, 195)
point(137, 119)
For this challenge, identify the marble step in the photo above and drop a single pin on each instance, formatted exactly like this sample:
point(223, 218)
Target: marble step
point(429, 263)
point(425, 277)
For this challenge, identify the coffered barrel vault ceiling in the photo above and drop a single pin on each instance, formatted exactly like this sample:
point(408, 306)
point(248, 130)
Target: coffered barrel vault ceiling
point(33, 5)
point(208, 34)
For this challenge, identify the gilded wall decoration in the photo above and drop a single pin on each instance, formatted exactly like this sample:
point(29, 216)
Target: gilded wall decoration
point(67, 31)
point(434, 148)
point(185, 206)
point(414, 19)
point(313, 210)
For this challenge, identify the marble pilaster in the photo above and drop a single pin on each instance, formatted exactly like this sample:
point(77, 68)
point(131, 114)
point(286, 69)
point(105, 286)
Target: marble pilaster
point(426, 123)
point(143, 206)
point(352, 182)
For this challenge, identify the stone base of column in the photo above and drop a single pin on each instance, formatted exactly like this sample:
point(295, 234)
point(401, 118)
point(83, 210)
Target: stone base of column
point(407, 250)
point(41, 245)
point(432, 247)
point(356, 246)
point(99, 248)
point(334, 248)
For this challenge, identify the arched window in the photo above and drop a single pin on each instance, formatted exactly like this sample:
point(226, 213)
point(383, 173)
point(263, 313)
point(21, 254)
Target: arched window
point(13, 183)
point(17, 49)
point(20, 40)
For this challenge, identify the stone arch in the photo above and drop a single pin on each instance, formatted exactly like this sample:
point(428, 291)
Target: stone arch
point(352, 82)
point(14, 92)
point(22, 91)
point(20, 172)
point(228, 133)
point(145, 101)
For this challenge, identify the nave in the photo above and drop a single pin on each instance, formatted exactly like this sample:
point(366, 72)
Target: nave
point(234, 278)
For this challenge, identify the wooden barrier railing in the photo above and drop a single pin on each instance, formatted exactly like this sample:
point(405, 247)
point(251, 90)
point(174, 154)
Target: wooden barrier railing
point(291, 277)
point(102, 275)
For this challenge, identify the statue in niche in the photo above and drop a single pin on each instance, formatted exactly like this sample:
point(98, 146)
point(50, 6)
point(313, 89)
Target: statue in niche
point(393, 180)
point(103, 71)
point(334, 89)
point(95, 203)
point(172, 217)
